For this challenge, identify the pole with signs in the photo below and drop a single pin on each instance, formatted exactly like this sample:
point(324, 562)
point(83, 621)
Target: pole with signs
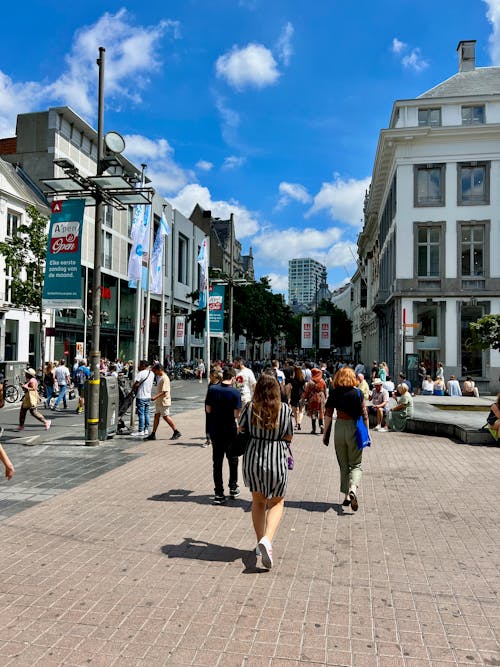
point(307, 332)
point(324, 332)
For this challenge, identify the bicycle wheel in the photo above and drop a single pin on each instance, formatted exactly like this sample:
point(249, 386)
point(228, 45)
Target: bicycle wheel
point(11, 393)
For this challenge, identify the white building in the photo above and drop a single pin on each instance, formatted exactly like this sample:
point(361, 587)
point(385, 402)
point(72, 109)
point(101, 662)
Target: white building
point(305, 277)
point(19, 329)
point(429, 247)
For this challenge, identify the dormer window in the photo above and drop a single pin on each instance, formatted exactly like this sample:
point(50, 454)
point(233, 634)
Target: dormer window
point(473, 115)
point(429, 117)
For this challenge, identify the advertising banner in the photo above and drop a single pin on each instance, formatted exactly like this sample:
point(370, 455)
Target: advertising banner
point(307, 332)
point(180, 330)
point(325, 323)
point(62, 287)
point(216, 309)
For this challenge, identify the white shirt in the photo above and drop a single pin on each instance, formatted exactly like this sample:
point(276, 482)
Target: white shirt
point(62, 375)
point(245, 381)
point(144, 391)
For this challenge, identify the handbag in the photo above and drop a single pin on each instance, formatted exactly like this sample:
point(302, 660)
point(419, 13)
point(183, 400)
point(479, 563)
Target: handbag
point(30, 399)
point(290, 462)
point(362, 434)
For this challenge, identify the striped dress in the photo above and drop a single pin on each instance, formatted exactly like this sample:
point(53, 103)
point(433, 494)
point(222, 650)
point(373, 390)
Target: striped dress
point(265, 467)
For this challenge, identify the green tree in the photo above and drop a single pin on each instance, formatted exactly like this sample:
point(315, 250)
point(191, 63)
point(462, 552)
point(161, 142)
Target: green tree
point(486, 333)
point(24, 256)
point(258, 313)
point(341, 331)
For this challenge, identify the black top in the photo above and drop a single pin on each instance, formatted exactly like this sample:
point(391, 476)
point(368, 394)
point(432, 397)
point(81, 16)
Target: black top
point(346, 399)
point(223, 400)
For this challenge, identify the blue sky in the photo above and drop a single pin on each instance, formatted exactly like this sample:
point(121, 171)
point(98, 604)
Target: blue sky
point(269, 109)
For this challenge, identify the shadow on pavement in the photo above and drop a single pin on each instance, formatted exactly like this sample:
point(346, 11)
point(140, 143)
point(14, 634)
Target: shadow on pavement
point(185, 495)
point(201, 550)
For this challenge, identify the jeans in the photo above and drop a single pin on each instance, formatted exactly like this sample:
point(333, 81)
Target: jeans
point(219, 445)
point(62, 396)
point(49, 392)
point(143, 412)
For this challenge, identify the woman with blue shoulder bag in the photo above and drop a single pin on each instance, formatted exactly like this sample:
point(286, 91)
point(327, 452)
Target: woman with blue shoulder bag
point(349, 402)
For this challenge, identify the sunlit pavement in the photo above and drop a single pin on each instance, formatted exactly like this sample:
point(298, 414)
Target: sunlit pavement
point(135, 566)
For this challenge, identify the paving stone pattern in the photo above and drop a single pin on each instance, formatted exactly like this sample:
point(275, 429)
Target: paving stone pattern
point(137, 567)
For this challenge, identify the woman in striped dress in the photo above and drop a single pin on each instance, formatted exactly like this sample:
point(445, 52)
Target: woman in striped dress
point(265, 469)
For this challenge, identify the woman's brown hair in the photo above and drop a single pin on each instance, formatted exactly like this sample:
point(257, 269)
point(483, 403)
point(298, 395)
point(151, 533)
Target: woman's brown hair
point(297, 373)
point(345, 377)
point(266, 402)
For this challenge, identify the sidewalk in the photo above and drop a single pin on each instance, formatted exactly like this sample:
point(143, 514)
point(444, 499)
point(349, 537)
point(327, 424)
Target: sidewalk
point(137, 567)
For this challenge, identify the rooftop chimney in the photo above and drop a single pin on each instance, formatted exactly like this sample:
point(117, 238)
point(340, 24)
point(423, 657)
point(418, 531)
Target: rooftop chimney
point(467, 55)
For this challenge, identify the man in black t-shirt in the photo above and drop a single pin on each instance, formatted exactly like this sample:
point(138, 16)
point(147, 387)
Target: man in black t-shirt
point(223, 403)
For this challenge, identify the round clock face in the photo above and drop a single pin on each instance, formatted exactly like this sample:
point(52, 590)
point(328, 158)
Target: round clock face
point(114, 142)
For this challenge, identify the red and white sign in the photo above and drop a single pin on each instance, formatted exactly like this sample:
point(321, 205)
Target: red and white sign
point(307, 332)
point(324, 332)
point(64, 237)
point(180, 330)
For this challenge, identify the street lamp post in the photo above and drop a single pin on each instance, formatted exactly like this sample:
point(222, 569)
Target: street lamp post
point(118, 191)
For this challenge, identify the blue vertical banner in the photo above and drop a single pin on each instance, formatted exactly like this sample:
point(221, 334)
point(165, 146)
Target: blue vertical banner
point(62, 287)
point(216, 309)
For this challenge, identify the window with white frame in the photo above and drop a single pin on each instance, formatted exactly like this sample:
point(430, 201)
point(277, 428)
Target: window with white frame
point(428, 250)
point(429, 180)
point(182, 259)
point(430, 117)
point(472, 250)
point(473, 183)
point(473, 115)
point(13, 222)
point(107, 248)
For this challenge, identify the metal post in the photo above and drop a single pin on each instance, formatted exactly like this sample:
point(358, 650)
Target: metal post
point(92, 434)
point(230, 287)
point(147, 309)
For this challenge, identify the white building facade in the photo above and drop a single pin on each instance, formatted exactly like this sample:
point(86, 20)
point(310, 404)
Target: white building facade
point(305, 276)
point(429, 260)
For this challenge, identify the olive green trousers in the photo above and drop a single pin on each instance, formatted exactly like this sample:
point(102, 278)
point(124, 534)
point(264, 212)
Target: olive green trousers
point(349, 456)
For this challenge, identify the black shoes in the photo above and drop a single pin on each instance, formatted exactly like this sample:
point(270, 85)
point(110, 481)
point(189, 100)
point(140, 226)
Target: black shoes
point(151, 436)
point(234, 493)
point(176, 435)
point(354, 501)
point(219, 500)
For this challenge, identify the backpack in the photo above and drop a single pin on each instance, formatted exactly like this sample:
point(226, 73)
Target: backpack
point(80, 375)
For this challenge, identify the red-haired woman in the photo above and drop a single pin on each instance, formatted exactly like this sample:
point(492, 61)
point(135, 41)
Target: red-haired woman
point(349, 402)
point(265, 463)
point(315, 397)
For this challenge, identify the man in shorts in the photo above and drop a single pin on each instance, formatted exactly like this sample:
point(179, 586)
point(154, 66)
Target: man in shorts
point(163, 402)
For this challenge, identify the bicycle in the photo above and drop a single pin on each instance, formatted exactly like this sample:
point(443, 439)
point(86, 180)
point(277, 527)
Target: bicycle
point(11, 392)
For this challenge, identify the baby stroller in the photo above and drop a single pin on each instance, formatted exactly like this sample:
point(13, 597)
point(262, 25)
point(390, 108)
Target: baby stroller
point(125, 400)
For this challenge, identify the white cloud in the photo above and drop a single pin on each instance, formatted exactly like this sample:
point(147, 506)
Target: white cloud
point(233, 162)
point(230, 121)
point(274, 247)
point(165, 174)
point(398, 46)
point(284, 46)
point(412, 60)
point(16, 98)
point(493, 16)
point(252, 66)
point(342, 199)
point(130, 58)
point(279, 282)
point(292, 191)
point(245, 221)
point(415, 61)
point(203, 165)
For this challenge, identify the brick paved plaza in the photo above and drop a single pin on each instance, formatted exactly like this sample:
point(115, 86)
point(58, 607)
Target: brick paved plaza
point(137, 567)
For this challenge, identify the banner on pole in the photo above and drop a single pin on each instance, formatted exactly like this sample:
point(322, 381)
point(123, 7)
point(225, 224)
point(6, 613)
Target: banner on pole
point(216, 309)
point(307, 332)
point(325, 323)
point(62, 287)
point(180, 330)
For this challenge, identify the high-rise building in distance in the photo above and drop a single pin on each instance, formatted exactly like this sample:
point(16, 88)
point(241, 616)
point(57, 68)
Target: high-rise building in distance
point(305, 277)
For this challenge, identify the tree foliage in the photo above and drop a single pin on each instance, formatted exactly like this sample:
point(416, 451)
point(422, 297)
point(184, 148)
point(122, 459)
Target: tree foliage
point(24, 255)
point(486, 333)
point(341, 331)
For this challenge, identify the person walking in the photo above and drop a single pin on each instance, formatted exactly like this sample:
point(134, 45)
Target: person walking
point(244, 380)
point(422, 374)
point(142, 386)
point(80, 377)
point(268, 421)
point(200, 371)
point(297, 385)
point(214, 377)
point(162, 401)
point(63, 378)
point(48, 383)
point(4, 458)
point(30, 401)
point(315, 398)
point(349, 402)
point(222, 404)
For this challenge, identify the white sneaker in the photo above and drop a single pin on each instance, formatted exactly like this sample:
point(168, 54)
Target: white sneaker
point(266, 551)
point(383, 430)
point(137, 434)
point(377, 428)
